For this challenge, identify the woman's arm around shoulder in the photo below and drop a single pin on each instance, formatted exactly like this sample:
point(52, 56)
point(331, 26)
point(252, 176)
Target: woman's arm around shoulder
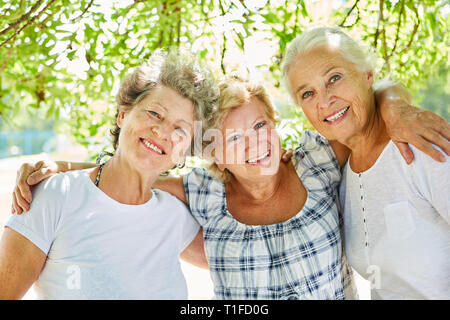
point(172, 185)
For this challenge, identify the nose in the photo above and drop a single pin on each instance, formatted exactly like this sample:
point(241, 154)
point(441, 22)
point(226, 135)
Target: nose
point(161, 131)
point(325, 98)
point(256, 142)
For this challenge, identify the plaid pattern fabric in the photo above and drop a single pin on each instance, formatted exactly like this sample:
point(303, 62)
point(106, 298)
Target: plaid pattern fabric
point(300, 258)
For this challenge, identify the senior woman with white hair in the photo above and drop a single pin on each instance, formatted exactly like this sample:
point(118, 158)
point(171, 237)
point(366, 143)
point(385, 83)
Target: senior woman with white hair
point(396, 217)
point(87, 236)
point(271, 228)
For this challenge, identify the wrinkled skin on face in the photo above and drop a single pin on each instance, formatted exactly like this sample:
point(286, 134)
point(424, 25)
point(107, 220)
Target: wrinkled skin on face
point(335, 96)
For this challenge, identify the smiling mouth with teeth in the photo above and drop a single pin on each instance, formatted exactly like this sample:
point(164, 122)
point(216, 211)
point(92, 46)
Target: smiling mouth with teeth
point(255, 160)
point(152, 146)
point(337, 115)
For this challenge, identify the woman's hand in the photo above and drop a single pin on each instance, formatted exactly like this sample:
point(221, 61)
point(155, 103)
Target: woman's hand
point(286, 155)
point(406, 123)
point(29, 175)
point(421, 128)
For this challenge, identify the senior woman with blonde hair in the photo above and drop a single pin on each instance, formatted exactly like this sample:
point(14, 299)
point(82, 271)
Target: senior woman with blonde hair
point(396, 217)
point(271, 228)
point(86, 236)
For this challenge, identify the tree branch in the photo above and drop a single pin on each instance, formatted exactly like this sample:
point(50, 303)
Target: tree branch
point(82, 13)
point(224, 47)
point(398, 28)
point(380, 18)
point(28, 23)
point(21, 19)
point(8, 56)
point(416, 27)
point(297, 10)
point(342, 24)
point(383, 33)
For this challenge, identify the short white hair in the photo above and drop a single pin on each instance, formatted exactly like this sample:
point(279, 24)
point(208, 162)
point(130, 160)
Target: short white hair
point(331, 37)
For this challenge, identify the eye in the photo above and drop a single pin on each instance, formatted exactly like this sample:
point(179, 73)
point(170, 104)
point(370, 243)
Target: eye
point(154, 114)
point(307, 94)
point(181, 131)
point(259, 125)
point(233, 138)
point(335, 78)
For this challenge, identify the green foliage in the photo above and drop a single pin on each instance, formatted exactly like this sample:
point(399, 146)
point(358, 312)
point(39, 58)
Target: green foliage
point(63, 59)
point(436, 95)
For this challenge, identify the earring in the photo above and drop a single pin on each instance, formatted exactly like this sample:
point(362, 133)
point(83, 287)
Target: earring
point(181, 166)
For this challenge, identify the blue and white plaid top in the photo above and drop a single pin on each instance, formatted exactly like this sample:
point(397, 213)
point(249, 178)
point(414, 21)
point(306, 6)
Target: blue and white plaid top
point(300, 258)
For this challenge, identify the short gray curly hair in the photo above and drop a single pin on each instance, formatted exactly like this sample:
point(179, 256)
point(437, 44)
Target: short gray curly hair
point(178, 70)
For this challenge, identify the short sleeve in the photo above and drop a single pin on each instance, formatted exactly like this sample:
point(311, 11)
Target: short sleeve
point(204, 194)
point(314, 157)
point(432, 179)
point(40, 223)
point(190, 228)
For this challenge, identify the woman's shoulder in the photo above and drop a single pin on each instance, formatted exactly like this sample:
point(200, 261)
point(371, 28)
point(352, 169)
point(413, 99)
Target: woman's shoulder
point(166, 200)
point(200, 178)
point(61, 182)
point(205, 194)
point(314, 149)
point(315, 162)
point(426, 169)
point(312, 140)
point(422, 164)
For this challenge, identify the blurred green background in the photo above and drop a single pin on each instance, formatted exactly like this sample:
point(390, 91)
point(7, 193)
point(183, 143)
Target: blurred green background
point(61, 61)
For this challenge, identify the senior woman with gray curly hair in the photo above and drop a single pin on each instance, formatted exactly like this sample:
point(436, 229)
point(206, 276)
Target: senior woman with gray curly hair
point(89, 237)
point(271, 228)
point(396, 216)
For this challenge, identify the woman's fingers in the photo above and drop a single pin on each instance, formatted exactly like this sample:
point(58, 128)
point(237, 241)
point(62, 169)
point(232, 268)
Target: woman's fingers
point(22, 195)
point(39, 175)
point(27, 176)
point(437, 139)
point(425, 146)
point(405, 151)
point(444, 131)
point(22, 186)
point(21, 202)
point(17, 209)
point(422, 129)
point(286, 155)
point(435, 129)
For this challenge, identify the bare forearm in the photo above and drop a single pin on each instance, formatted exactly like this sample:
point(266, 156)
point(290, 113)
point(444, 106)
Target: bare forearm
point(64, 166)
point(392, 90)
point(389, 97)
point(195, 252)
point(172, 185)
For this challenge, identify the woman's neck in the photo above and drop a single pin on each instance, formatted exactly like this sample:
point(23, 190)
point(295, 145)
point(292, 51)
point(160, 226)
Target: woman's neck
point(367, 145)
point(124, 183)
point(258, 189)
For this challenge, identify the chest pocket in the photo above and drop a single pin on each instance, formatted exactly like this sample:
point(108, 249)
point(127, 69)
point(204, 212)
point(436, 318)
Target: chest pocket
point(399, 220)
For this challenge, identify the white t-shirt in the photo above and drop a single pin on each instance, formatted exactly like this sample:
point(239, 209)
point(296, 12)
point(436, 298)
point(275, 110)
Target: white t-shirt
point(98, 248)
point(397, 225)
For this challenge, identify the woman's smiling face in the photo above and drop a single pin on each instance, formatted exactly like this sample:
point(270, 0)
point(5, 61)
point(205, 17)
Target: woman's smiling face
point(251, 144)
point(334, 95)
point(156, 133)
